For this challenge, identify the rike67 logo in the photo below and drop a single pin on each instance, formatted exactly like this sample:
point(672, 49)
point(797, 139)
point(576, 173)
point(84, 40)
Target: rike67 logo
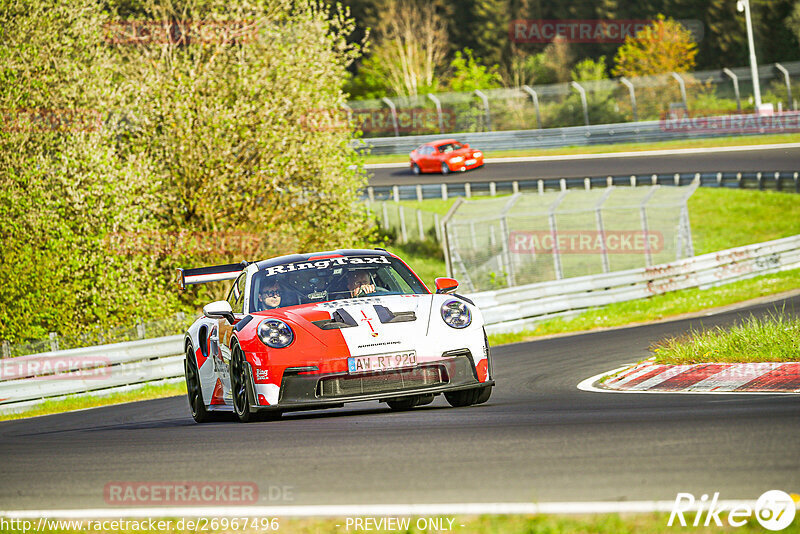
point(774, 510)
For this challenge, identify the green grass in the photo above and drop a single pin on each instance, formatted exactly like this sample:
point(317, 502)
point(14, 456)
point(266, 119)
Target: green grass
point(660, 307)
point(622, 147)
point(488, 524)
point(774, 338)
point(80, 402)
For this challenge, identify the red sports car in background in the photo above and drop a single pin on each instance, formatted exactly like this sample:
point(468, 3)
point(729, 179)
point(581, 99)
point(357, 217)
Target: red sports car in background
point(445, 156)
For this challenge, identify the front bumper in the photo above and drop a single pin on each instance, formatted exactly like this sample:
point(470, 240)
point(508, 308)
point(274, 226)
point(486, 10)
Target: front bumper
point(307, 391)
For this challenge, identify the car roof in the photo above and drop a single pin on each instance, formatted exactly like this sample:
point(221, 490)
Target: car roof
point(291, 258)
point(442, 142)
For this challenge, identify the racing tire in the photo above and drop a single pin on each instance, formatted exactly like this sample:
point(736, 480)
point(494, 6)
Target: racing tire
point(445, 168)
point(240, 387)
point(465, 397)
point(415, 169)
point(194, 389)
point(403, 404)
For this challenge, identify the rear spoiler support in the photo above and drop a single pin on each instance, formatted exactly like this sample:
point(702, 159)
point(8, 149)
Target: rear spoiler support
point(203, 275)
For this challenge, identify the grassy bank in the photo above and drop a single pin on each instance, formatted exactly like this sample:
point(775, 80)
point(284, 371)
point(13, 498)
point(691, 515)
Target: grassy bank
point(775, 338)
point(81, 402)
point(621, 147)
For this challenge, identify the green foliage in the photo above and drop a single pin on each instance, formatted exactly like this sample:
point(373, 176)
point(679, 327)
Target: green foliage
point(590, 70)
point(105, 141)
point(664, 46)
point(770, 339)
point(467, 73)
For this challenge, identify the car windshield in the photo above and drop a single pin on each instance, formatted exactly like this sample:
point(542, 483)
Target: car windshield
point(449, 147)
point(336, 278)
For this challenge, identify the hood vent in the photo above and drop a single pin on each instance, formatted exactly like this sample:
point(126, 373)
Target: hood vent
point(387, 316)
point(339, 319)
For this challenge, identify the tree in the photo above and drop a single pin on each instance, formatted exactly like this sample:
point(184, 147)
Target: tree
point(410, 48)
point(467, 73)
point(664, 46)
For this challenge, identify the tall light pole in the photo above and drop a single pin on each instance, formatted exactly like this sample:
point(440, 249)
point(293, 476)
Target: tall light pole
point(744, 5)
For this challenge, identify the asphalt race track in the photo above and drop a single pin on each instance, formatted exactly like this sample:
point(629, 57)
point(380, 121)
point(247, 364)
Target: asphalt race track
point(780, 159)
point(537, 439)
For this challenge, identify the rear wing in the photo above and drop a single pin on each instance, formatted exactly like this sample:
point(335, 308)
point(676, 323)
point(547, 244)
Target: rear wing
point(203, 275)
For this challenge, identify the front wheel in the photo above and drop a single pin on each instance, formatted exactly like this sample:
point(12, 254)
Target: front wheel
point(194, 389)
point(240, 386)
point(445, 168)
point(415, 169)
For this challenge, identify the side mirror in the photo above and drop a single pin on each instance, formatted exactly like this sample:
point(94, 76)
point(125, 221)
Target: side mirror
point(446, 285)
point(220, 309)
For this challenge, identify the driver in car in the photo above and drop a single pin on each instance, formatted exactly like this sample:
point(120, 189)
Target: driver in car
point(359, 283)
point(269, 297)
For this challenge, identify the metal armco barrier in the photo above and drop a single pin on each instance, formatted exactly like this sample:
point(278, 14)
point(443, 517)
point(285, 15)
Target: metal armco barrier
point(91, 369)
point(626, 132)
point(518, 308)
point(102, 367)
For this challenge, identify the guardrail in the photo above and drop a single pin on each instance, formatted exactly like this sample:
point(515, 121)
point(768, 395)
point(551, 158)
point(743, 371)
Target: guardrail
point(28, 379)
point(626, 132)
point(101, 368)
point(518, 308)
point(761, 180)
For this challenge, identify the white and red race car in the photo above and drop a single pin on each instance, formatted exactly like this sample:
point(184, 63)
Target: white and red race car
point(318, 330)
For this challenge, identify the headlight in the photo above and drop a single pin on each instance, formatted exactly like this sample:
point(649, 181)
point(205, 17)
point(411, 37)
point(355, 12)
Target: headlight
point(275, 333)
point(456, 314)
point(457, 159)
point(477, 154)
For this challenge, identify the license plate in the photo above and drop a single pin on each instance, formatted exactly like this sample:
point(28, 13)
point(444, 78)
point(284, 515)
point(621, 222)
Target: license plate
point(470, 162)
point(381, 362)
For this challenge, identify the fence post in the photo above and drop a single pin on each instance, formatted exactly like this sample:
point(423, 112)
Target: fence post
point(535, 99)
point(540, 186)
point(444, 191)
point(609, 181)
point(633, 180)
point(648, 255)
point(385, 216)
point(683, 90)
point(562, 182)
point(396, 193)
point(371, 193)
point(598, 217)
point(480, 94)
point(728, 72)
point(421, 228)
point(677, 179)
point(402, 214)
point(654, 179)
point(468, 190)
point(492, 189)
point(777, 181)
point(53, 341)
point(515, 187)
point(587, 183)
point(719, 179)
point(788, 81)
point(419, 193)
point(627, 83)
point(438, 111)
point(585, 105)
point(5, 349)
point(140, 328)
point(394, 115)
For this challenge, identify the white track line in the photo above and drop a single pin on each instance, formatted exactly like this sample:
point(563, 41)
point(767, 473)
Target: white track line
point(610, 155)
point(589, 507)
